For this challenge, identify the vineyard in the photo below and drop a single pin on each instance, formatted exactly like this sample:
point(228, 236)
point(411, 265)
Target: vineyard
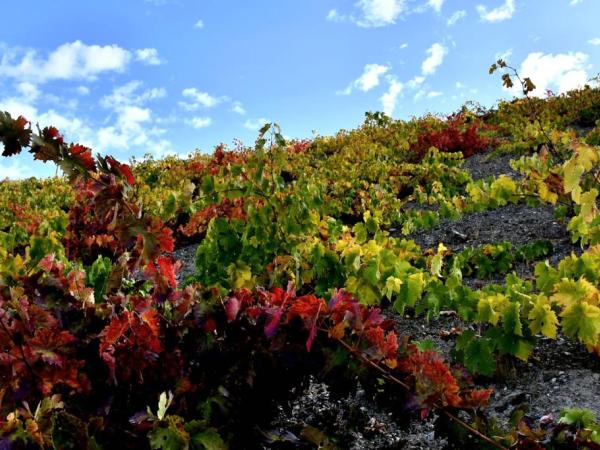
point(431, 283)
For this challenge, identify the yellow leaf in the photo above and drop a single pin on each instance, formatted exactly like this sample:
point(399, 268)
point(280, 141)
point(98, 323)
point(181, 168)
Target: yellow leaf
point(546, 194)
point(543, 319)
point(240, 276)
point(572, 174)
point(588, 205)
point(568, 292)
point(392, 286)
point(487, 308)
point(587, 156)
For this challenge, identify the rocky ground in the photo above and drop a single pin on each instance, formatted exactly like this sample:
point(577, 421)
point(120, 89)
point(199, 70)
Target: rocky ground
point(559, 374)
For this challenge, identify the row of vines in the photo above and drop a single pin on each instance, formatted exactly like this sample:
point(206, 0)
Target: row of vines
point(302, 262)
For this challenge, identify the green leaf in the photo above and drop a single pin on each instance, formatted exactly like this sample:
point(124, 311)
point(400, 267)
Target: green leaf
point(425, 344)
point(208, 439)
point(510, 344)
point(486, 309)
point(208, 184)
point(511, 320)
point(545, 277)
point(410, 292)
point(166, 438)
point(97, 276)
point(581, 320)
point(579, 417)
point(543, 319)
point(479, 357)
point(360, 232)
point(264, 129)
point(69, 432)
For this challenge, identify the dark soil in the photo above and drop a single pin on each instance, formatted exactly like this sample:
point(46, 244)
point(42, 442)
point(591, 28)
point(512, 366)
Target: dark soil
point(490, 164)
point(559, 374)
point(518, 224)
point(187, 256)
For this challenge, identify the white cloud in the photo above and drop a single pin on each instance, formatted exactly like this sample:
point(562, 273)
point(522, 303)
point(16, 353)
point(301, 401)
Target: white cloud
point(502, 12)
point(595, 41)
point(374, 13)
point(390, 98)
point(504, 55)
point(128, 129)
point(14, 170)
point(19, 107)
point(199, 122)
point(127, 95)
point(425, 93)
point(416, 82)
point(238, 108)
point(334, 16)
point(198, 98)
point(434, 94)
point(29, 91)
point(436, 54)
point(436, 5)
point(72, 128)
point(199, 24)
point(370, 77)
point(130, 123)
point(368, 80)
point(83, 90)
point(575, 2)
point(255, 124)
point(148, 56)
point(133, 122)
point(458, 15)
point(379, 13)
point(419, 95)
point(403, 46)
point(560, 72)
point(71, 61)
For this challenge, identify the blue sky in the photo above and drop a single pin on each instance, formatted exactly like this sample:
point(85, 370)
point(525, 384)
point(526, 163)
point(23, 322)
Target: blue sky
point(170, 76)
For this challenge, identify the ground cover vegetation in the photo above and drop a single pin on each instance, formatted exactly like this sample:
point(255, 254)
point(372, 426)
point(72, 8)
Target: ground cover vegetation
point(306, 259)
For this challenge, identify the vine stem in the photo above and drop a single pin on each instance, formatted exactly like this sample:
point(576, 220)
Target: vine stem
point(396, 380)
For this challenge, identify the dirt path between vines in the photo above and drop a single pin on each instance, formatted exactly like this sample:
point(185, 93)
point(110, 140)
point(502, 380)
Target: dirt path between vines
point(559, 374)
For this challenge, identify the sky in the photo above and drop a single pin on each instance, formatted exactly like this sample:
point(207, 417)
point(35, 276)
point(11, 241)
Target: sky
point(161, 77)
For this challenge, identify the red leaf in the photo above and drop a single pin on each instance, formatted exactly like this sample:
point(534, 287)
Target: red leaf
point(52, 134)
point(476, 398)
point(307, 308)
point(83, 156)
point(210, 326)
point(273, 324)
point(13, 134)
point(121, 169)
point(311, 336)
point(167, 270)
point(433, 380)
point(126, 171)
point(232, 307)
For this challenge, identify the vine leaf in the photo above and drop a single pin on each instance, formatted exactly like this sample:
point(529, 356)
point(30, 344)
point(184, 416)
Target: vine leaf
point(582, 320)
